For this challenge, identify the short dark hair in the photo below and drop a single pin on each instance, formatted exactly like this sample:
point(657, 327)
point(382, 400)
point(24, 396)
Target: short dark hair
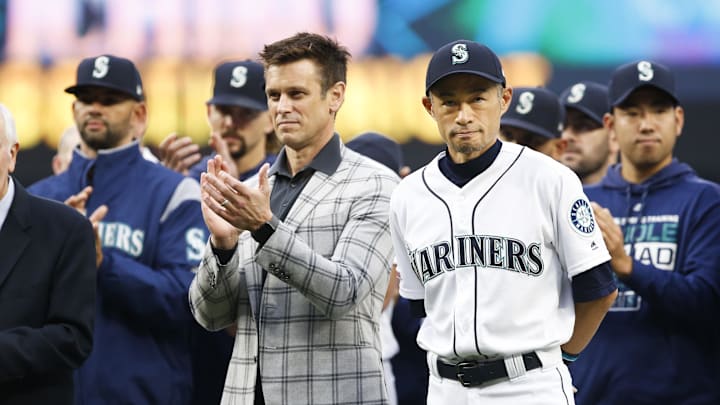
point(327, 53)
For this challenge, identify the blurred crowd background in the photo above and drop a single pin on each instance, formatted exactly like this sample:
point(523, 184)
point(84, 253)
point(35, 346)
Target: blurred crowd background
point(176, 44)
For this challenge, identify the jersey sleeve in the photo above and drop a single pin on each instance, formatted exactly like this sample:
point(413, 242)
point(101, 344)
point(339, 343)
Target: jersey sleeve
point(580, 243)
point(410, 285)
point(593, 284)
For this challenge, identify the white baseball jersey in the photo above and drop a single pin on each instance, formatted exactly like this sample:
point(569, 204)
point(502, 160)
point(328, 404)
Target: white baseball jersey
point(493, 260)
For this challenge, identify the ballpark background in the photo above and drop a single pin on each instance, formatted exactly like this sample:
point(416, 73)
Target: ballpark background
point(176, 44)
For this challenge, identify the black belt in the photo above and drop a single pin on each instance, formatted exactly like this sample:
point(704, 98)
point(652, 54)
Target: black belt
point(473, 373)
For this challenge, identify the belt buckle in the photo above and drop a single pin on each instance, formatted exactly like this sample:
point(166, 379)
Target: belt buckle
point(460, 369)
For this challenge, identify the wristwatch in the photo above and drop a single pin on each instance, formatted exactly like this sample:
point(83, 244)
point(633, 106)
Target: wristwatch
point(262, 234)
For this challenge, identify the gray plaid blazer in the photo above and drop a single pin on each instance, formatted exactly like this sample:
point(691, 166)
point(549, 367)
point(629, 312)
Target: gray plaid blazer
point(314, 324)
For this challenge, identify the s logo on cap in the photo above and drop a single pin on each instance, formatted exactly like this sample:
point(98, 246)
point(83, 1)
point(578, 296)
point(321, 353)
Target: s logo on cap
point(525, 103)
point(460, 54)
point(238, 77)
point(577, 92)
point(645, 71)
point(101, 67)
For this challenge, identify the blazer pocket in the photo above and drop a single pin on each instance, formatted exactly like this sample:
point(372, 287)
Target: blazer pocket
point(322, 232)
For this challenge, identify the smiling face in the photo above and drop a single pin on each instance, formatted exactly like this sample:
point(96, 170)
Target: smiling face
point(302, 113)
point(646, 126)
point(467, 110)
point(106, 118)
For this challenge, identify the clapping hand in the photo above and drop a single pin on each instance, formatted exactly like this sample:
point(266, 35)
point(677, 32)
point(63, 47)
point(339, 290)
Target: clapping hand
point(79, 201)
point(230, 206)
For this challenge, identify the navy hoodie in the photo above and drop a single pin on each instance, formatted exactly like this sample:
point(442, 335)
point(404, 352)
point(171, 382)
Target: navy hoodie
point(660, 342)
point(152, 236)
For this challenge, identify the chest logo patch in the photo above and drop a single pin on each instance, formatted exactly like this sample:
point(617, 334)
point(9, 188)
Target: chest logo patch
point(581, 217)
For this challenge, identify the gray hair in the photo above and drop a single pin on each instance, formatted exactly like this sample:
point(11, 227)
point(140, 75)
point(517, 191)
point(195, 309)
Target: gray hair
point(8, 125)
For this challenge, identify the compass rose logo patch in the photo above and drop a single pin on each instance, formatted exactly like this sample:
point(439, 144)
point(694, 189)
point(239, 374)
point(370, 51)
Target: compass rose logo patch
point(581, 217)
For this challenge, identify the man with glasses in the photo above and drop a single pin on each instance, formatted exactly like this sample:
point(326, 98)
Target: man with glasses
point(151, 236)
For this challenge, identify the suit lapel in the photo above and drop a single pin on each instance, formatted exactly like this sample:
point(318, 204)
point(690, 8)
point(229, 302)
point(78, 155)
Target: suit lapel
point(13, 236)
point(319, 186)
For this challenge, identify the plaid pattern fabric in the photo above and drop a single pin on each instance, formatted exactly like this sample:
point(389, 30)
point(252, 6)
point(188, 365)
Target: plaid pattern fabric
point(314, 325)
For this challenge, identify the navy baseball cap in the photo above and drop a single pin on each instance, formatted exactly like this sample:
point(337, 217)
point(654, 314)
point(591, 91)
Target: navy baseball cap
point(535, 109)
point(378, 148)
point(240, 84)
point(464, 56)
point(111, 72)
point(590, 98)
point(630, 77)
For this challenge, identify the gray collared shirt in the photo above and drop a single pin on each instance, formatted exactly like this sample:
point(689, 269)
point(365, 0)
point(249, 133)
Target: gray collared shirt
point(287, 188)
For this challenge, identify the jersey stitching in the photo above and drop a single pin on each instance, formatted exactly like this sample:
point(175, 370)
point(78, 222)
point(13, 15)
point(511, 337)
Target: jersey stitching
point(452, 243)
point(472, 220)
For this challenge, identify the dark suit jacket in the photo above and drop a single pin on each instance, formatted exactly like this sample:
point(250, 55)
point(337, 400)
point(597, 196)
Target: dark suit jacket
point(47, 299)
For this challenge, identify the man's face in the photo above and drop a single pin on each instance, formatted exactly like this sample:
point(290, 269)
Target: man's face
point(301, 112)
point(105, 118)
point(467, 110)
point(646, 125)
point(588, 143)
point(242, 128)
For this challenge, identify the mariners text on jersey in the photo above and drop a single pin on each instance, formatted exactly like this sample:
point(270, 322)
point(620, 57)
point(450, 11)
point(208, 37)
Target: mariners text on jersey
point(486, 251)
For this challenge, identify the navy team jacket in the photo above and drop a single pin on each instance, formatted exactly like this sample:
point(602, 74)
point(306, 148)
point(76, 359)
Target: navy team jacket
point(660, 342)
point(153, 236)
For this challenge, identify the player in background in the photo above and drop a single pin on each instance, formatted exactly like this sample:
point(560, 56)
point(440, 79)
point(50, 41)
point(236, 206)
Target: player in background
point(152, 235)
point(661, 222)
point(497, 245)
point(534, 119)
point(590, 147)
point(240, 127)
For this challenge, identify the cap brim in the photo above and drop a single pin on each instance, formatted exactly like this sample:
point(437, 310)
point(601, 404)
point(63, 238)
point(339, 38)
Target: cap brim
point(472, 72)
point(512, 122)
point(585, 110)
point(78, 87)
point(238, 101)
point(625, 95)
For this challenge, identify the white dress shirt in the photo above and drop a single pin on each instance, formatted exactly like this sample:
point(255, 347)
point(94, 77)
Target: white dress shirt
point(6, 202)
